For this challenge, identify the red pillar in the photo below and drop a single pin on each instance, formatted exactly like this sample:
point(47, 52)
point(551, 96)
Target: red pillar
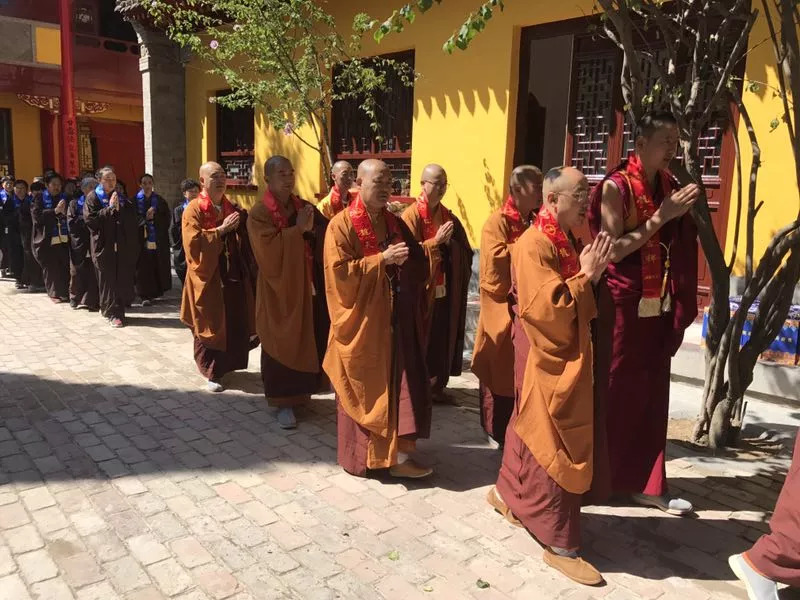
point(69, 123)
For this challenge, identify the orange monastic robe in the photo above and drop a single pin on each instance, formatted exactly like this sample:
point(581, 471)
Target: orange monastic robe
point(374, 361)
point(493, 355)
point(290, 323)
point(548, 457)
point(217, 302)
point(333, 203)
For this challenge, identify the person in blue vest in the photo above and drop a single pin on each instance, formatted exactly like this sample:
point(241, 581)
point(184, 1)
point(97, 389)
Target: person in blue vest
point(153, 270)
point(6, 191)
point(190, 189)
point(113, 225)
point(51, 238)
point(11, 229)
point(83, 290)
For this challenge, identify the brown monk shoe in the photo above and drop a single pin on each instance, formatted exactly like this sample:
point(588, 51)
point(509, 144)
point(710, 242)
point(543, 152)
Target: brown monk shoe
point(496, 502)
point(573, 567)
point(408, 469)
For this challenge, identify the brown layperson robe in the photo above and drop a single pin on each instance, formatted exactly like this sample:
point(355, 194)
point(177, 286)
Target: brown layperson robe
point(291, 314)
point(218, 294)
point(493, 356)
point(83, 289)
point(444, 318)
point(377, 368)
point(549, 451)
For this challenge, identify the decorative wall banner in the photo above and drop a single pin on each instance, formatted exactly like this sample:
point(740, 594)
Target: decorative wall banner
point(53, 104)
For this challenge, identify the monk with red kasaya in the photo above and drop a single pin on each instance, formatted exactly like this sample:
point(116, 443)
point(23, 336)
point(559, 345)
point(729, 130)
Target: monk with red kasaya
point(493, 356)
point(548, 458)
point(340, 195)
point(645, 304)
point(291, 315)
point(449, 256)
point(375, 273)
point(218, 302)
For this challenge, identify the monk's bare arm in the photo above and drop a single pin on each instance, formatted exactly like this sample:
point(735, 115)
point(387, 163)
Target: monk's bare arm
point(612, 222)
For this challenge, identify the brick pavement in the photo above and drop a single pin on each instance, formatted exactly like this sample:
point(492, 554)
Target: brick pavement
point(121, 478)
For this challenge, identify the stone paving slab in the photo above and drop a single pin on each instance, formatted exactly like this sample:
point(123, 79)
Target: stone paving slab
point(121, 478)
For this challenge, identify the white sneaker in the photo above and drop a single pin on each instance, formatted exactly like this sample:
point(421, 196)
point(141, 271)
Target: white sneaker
point(286, 418)
point(758, 586)
point(214, 386)
point(672, 506)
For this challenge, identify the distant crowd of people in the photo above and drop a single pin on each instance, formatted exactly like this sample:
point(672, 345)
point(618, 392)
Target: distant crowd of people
point(87, 243)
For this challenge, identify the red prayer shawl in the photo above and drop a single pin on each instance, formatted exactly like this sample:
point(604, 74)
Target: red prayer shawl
point(568, 262)
point(429, 230)
point(210, 213)
point(514, 218)
point(655, 295)
point(364, 229)
point(281, 221)
point(336, 200)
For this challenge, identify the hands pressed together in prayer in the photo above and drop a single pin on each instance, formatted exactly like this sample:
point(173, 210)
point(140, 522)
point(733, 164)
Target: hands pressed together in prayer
point(114, 201)
point(595, 257)
point(445, 233)
point(61, 207)
point(396, 254)
point(305, 218)
point(231, 223)
point(151, 213)
point(679, 202)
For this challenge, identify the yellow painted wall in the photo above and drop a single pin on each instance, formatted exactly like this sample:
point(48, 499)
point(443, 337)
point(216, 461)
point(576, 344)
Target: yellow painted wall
point(776, 177)
point(48, 45)
point(26, 137)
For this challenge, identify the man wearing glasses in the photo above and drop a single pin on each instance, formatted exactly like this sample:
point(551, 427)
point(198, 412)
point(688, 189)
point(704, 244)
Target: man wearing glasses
point(449, 257)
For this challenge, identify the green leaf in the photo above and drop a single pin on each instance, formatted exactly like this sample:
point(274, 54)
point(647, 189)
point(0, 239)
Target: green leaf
point(774, 124)
point(394, 555)
point(449, 46)
point(482, 584)
point(424, 5)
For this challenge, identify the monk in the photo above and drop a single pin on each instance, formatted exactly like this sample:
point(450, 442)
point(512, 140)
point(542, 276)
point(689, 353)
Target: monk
point(190, 189)
point(339, 197)
point(493, 355)
point(375, 273)
point(645, 304)
point(218, 303)
point(51, 238)
point(83, 290)
point(775, 557)
point(153, 269)
point(549, 452)
point(449, 256)
point(114, 243)
point(10, 223)
point(291, 314)
point(31, 269)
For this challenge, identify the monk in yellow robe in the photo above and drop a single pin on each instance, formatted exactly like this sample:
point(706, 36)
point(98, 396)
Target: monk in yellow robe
point(286, 234)
point(217, 302)
point(449, 255)
point(548, 456)
point(340, 195)
point(375, 273)
point(493, 355)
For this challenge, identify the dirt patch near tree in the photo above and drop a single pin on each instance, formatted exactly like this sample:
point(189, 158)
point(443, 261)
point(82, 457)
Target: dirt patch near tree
point(679, 432)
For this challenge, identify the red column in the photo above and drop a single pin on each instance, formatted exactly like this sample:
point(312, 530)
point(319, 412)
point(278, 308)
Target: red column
point(69, 124)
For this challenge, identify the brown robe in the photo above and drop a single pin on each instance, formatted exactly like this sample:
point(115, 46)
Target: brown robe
point(374, 358)
point(51, 246)
point(445, 317)
point(83, 288)
point(777, 554)
point(31, 269)
point(493, 355)
point(217, 302)
point(291, 313)
point(549, 452)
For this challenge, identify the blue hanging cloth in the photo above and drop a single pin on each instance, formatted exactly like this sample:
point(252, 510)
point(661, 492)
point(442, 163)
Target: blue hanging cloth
point(150, 226)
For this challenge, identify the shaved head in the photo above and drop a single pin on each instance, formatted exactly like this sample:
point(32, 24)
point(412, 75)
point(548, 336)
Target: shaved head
point(369, 166)
point(213, 180)
point(559, 179)
point(209, 167)
point(274, 163)
point(434, 183)
point(342, 176)
point(566, 196)
point(525, 174)
point(340, 165)
point(525, 186)
point(432, 171)
point(280, 177)
point(375, 181)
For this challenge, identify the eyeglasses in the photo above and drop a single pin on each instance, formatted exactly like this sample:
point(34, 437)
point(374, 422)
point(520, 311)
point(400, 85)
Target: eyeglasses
point(581, 197)
point(443, 184)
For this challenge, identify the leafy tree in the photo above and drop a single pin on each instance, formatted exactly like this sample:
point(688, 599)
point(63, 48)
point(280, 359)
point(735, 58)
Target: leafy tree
point(280, 56)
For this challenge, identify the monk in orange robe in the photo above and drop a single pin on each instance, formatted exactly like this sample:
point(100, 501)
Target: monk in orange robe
point(775, 557)
point(340, 195)
point(217, 301)
point(548, 456)
point(291, 315)
point(449, 257)
point(375, 273)
point(493, 355)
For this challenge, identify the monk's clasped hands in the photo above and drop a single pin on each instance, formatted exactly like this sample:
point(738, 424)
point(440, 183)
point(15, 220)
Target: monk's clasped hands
point(595, 257)
point(396, 254)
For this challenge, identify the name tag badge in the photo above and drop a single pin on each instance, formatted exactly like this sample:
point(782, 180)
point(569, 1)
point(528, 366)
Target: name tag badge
point(55, 240)
point(151, 245)
point(115, 246)
point(441, 291)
